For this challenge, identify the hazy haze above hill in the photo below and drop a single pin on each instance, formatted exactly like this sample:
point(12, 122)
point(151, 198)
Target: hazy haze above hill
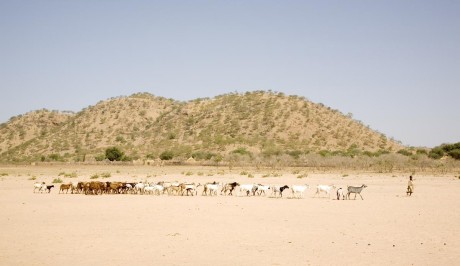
point(394, 65)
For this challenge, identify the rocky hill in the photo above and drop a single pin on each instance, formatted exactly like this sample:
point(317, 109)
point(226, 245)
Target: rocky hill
point(144, 126)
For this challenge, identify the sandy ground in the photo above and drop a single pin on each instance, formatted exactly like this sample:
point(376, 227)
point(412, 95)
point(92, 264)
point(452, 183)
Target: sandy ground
point(386, 228)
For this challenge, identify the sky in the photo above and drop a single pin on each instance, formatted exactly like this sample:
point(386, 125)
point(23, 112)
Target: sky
point(395, 65)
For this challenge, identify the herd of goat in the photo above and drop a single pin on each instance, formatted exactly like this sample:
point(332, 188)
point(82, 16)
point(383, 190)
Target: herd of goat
point(191, 189)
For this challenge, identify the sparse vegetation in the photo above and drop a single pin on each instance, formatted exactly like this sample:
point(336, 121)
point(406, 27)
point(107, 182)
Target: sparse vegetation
point(405, 152)
point(265, 129)
point(106, 175)
point(242, 151)
point(69, 175)
point(57, 180)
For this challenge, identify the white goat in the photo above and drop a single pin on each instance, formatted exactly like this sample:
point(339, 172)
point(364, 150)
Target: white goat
point(340, 194)
point(74, 187)
point(212, 189)
point(298, 190)
point(324, 188)
point(139, 187)
point(149, 189)
point(248, 188)
point(262, 189)
point(40, 186)
point(129, 188)
point(158, 189)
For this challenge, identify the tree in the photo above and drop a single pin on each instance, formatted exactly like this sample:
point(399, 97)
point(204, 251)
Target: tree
point(166, 155)
point(455, 154)
point(114, 154)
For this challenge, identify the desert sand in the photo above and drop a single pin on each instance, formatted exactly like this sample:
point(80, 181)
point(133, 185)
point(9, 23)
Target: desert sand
point(386, 228)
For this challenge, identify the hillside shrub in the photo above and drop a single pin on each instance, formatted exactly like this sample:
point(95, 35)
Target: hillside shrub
point(421, 151)
point(271, 151)
point(455, 154)
point(120, 139)
point(436, 153)
point(167, 155)
point(114, 154)
point(324, 153)
point(202, 155)
point(294, 154)
point(405, 152)
point(242, 151)
point(150, 156)
point(55, 157)
point(453, 150)
point(218, 158)
point(100, 157)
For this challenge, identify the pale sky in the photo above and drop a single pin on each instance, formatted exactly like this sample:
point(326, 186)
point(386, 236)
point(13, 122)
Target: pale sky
point(394, 64)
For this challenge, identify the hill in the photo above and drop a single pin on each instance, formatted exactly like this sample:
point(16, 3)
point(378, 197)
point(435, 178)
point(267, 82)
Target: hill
point(22, 129)
point(254, 124)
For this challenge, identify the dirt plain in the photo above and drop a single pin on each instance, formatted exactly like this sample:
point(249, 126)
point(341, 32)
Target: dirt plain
point(386, 228)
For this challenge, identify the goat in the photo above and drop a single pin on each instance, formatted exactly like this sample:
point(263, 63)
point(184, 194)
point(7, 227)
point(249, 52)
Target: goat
point(324, 188)
point(73, 187)
point(149, 189)
point(297, 190)
point(81, 187)
point(211, 188)
point(115, 187)
point(262, 189)
point(40, 186)
point(356, 190)
point(340, 194)
point(65, 187)
point(206, 188)
point(48, 188)
point(279, 189)
point(229, 187)
point(129, 188)
point(174, 189)
point(248, 188)
point(189, 188)
point(139, 187)
point(167, 185)
point(95, 187)
point(158, 189)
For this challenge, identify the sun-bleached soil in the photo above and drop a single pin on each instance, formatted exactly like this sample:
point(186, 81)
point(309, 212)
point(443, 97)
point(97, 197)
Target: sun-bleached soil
point(386, 228)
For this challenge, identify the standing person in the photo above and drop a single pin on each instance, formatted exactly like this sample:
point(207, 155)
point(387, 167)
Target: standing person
point(410, 186)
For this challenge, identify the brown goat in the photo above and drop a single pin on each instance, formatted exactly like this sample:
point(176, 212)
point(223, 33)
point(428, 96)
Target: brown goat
point(65, 187)
point(115, 187)
point(95, 187)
